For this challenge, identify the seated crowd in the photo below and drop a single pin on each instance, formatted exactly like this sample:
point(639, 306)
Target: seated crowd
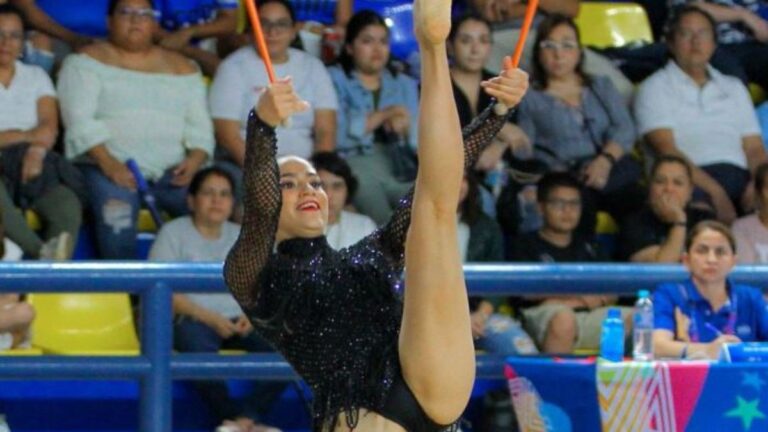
point(131, 86)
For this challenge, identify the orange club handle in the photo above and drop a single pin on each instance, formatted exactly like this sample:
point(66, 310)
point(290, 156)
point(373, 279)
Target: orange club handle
point(530, 12)
point(258, 36)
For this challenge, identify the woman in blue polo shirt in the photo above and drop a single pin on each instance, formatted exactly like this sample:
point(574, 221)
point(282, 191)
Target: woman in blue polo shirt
point(694, 318)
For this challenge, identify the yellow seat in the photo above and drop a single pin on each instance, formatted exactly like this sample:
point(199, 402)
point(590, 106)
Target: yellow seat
point(84, 324)
point(604, 25)
point(757, 93)
point(22, 352)
point(33, 220)
point(145, 223)
point(606, 224)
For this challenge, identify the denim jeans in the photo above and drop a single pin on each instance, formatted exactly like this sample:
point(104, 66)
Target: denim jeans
point(190, 335)
point(505, 336)
point(116, 210)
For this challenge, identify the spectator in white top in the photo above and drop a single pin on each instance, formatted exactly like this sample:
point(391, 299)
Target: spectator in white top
point(690, 109)
point(345, 227)
point(211, 321)
point(29, 177)
point(751, 232)
point(241, 79)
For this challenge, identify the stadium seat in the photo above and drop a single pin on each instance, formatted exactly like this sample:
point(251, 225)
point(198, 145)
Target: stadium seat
point(22, 352)
point(84, 324)
point(757, 93)
point(604, 25)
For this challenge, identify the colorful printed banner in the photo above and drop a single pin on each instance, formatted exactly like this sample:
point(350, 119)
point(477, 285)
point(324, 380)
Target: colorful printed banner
point(582, 395)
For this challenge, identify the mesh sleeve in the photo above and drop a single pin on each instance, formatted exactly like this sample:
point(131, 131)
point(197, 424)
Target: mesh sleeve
point(261, 201)
point(477, 136)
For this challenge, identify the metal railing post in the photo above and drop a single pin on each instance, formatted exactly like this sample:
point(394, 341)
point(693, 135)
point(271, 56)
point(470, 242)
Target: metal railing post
point(156, 336)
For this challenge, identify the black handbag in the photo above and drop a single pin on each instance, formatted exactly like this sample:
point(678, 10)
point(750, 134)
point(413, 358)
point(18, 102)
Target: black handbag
point(405, 164)
point(56, 170)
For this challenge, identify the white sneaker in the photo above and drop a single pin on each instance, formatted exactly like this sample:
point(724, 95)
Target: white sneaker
point(57, 248)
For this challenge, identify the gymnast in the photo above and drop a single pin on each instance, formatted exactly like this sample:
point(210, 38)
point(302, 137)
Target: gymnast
point(376, 356)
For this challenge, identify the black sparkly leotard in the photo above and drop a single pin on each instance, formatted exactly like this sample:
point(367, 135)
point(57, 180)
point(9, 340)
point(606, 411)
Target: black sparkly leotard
point(334, 315)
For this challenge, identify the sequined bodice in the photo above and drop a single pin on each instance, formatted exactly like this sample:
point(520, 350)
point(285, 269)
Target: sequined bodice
point(334, 315)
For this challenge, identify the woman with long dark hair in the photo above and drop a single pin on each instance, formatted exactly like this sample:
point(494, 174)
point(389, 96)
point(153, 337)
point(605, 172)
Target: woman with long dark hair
point(378, 115)
point(374, 360)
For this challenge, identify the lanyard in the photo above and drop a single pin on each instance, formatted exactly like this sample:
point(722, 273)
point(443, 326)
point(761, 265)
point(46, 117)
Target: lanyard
point(693, 329)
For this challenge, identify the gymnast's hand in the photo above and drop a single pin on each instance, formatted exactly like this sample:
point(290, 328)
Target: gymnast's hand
point(279, 102)
point(509, 87)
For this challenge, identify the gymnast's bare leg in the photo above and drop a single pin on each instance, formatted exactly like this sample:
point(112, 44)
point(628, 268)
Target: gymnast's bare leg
point(436, 350)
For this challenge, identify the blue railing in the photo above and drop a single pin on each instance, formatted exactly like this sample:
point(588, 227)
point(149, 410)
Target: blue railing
point(155, 367)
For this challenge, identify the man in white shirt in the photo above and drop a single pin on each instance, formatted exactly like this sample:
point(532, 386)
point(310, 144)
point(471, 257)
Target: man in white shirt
point(690, 109)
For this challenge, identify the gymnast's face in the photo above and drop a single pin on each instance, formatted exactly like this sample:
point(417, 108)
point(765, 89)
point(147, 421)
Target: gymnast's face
point(305, 205)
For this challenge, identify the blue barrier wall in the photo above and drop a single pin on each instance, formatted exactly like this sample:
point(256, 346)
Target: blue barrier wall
point(155, 368)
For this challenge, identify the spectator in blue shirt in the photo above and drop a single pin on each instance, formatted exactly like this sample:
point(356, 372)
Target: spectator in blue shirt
point(377, 110)
point(693, 319)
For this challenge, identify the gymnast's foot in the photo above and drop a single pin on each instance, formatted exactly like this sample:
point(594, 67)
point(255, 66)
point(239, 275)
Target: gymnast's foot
point(431, 21)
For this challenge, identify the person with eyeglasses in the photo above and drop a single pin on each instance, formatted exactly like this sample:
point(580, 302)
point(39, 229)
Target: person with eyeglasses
point(241, 80)
point(29, 175)
point(128, 98)
point(694, 318)
point(209, 322)
point(579, 123)
point(690, 109)
point(657, 232)
point(562, 323)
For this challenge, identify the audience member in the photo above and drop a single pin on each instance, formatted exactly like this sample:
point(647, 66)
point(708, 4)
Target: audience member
point(480, 240)
point(690, 109)
point(38, 50)
point(507, 16)
point(28, 128)
point(560, 324)
point(469, 45)
point(16, 316)
point(578, 122)
point(194, 27)
point(751, 232)
point(377, 115)
point(345, 227)
point(657, 232)
point(693, 319)
point(241, 78)
point(127, 98)
point(210, 322)
point(741, 35)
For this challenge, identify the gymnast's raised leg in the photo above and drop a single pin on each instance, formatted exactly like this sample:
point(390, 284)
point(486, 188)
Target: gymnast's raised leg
point(436, 350)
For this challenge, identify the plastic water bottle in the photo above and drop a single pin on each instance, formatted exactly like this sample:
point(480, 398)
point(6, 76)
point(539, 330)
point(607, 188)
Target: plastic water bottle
point(612, 337)
point(642, 348)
